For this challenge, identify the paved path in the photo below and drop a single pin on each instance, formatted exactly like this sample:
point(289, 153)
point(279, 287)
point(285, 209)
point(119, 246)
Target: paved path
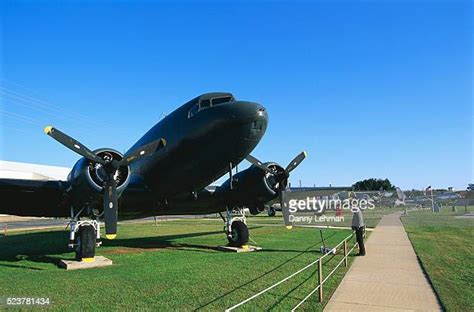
point(388, 278)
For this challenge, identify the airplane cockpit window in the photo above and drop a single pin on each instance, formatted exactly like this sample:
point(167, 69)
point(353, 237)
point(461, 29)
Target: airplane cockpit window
point(220, 100)
point(194, 110)
point(205, 103)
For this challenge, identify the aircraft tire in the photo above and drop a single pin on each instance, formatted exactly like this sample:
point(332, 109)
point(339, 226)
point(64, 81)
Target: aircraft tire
point(85, 249)
point(240, 234)
point(271, 211)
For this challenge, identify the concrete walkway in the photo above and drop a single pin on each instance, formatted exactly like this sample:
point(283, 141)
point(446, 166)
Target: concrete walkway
point(388, 278)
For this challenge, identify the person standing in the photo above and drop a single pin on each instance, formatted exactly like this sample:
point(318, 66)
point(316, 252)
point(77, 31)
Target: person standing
point(358, 226)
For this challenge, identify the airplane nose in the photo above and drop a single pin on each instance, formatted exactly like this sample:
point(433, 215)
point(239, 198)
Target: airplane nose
point(252, 117)
point(247, 112)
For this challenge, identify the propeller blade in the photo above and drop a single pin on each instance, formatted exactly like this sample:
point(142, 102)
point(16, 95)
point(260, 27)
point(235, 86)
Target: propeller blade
point(285, 209)
point(258, 163)
point(110, 207)
point(72, 144)
point(295, 162)
point(146, 150)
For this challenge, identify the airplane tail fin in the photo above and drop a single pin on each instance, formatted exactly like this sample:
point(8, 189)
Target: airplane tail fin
point(401, 196)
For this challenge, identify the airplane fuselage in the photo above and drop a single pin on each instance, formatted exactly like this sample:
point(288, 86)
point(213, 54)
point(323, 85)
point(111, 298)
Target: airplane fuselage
point(199, 149)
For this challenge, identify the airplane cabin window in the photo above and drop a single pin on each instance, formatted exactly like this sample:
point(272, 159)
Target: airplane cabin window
point(217, 101)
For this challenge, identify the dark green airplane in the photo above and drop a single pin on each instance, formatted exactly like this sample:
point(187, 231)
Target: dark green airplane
point(165, 173)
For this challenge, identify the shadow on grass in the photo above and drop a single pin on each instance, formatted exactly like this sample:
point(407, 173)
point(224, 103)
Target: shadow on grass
point(40, 247)
point(51, 246)
point(163, 242)
point(168, 241)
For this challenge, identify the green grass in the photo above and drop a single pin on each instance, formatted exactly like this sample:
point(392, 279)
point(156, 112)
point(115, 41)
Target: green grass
point(172, 266)
point(444, 245)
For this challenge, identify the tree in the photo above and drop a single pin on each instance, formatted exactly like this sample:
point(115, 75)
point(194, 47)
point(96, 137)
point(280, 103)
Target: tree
point(373, 185)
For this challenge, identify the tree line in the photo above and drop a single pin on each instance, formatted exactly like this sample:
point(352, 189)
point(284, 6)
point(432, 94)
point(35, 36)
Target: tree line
point(373, 185)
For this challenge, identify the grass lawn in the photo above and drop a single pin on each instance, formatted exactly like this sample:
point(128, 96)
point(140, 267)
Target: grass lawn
point(172, 266)
point(444, 245)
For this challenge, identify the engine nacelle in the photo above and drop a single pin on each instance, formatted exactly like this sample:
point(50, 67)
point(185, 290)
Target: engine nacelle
point(252, 188)
point(86, 179)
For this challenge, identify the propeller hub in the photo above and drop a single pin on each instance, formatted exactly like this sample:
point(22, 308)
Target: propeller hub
point(100, 173)
point(107, 157)
point(277, 179)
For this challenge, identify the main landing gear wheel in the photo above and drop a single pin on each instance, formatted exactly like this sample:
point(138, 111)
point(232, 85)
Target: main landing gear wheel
point(85, 243)
point(271, 211)
point(239, 234)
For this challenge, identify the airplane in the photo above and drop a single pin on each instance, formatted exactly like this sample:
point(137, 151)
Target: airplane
point(401, 197)
point(164, 173)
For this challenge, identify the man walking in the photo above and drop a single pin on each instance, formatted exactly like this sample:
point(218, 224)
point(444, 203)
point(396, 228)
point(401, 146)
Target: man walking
point(358, 227)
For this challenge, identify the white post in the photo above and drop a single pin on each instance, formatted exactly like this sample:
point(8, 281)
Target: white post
point(320, 280)
point(432, 200)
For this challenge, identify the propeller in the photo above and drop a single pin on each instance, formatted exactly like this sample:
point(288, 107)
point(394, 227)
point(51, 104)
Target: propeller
point(279, 177)
point(110, 166)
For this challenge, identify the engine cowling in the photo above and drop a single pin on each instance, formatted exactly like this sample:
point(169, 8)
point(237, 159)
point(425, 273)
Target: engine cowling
point(252, 188)
point(86, 178)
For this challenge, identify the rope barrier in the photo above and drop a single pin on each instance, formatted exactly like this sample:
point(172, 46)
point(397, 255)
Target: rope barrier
point(294, 274)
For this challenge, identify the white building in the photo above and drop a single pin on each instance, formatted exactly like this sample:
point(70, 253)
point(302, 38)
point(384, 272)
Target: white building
point(17, 170)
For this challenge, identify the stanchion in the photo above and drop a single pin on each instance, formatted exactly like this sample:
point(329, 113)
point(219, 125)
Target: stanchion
point(345, 253)
point(320, 275)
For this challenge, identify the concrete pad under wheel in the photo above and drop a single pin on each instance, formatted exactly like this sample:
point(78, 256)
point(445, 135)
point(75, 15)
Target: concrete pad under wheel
point(245, 248)
point(99, 261)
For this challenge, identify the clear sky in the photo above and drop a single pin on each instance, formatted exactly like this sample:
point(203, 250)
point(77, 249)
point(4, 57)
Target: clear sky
point(369, 88)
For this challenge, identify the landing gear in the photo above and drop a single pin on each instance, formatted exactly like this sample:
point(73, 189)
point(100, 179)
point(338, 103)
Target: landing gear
point(271, 211)
point(239, 234)
point(84, 237)
point(85, 243)
point(236, 227)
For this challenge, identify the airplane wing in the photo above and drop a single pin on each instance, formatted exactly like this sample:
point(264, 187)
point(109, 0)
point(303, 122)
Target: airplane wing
point(42, 198)
point(137, 201)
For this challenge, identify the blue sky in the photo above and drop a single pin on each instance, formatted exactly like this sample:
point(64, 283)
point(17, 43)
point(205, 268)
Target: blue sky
point(370, 89)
